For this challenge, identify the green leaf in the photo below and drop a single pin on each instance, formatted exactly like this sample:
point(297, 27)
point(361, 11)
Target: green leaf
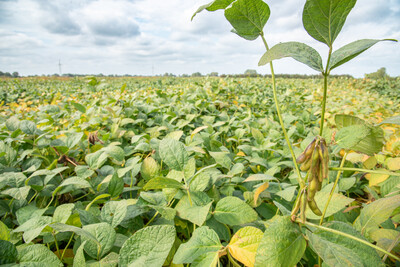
point(222, 159)
point(209, 259)
point(79, 107)
point(392, 120)
point(28, 212)
point(12, 123)
point(12, 179)
point(4, 232)
point(204, 240)
point(116, 186)
point(37, 255)
point(8, 252)
point(76, 181)
point(166, 212)
point(148, 246)
point(234, 211)
point(28, 127)
point(62, 213)
point(195, 211)
point(244, 244)
point(348, 137)
point(33, 227)
point(282, 244)
point(20, 193)
point(61, 227)
point(174, 154)
point(298, 51)
point(73, 139)
point(116, 153)
point(375, 213)
point(336, 248)
point(351, 50)
point(96, 160)
point(111, 260)
point(104, 234)
point(79, 259)
point(257, 134)
point(324, 19)
point(248, 17)
point(214, 5)
point(333, 254)
point(370, 144)
point(114, 212)
point(149, 168)
point(161, 183)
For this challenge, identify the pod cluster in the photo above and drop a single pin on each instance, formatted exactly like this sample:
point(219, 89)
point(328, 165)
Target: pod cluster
point(315, 159)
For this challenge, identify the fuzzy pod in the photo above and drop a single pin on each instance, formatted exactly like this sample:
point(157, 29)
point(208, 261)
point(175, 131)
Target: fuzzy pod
point(313, 206)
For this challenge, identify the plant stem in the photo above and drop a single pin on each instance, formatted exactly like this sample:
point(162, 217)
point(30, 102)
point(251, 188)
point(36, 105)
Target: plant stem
point(333, 231)
point(391, 247)
point(326, 74)
point(231, 260)
point(364, 170)
point(278, 111)
point(69, 242)
point(152, 219)
point(55, 241)
point(333, 188)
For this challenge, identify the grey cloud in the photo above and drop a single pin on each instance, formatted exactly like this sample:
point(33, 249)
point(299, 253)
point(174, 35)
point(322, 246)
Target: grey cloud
point(56, 17)
point(62, 25)
point(114, 28)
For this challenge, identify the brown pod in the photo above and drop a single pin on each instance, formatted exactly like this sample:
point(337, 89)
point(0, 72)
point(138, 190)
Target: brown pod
point(301, 158)
point(310, 148)
point(306, 165)
point(314, 168)
point(313, 206)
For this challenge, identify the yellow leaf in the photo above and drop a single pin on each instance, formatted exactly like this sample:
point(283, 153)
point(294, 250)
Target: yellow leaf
point(370, 162)
point(198, 129)
point(393, 164)
point(240, 154)
point(259, 190)
point(375, 178)
point(354, 157)
point(244, 243)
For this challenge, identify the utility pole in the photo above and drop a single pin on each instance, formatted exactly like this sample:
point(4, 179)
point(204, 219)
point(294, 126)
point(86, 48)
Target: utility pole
point(59, 67)
point(152, 70)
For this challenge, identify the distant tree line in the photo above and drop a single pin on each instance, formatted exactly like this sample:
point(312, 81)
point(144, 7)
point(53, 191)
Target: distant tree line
point(10, 75)
point(379, 74)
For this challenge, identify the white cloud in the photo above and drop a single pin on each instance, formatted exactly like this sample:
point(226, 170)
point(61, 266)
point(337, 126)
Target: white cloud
point(125, 36)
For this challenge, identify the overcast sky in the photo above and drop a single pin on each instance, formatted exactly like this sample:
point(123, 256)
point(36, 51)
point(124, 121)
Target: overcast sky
point(142, 36)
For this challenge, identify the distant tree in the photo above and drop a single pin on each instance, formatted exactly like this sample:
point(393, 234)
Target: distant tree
point(7, 74)
point(196, 74)
point(56, 75)
point(250, 73)
point(185, 75)
point(213, 74)
point(379, 74)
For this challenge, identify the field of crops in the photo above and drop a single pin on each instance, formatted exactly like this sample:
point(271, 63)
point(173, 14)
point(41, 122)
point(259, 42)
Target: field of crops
point(171, 171)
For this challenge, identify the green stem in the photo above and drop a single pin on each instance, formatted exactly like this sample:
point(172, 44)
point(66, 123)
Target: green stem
point(333, 231)
point(394, 243)
point(231, 260)
point(55, 241)
point(364, 170)
point(69, 242)
point(326, 74)
point(152, 219)
point(278, 111)
point(333, 189)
